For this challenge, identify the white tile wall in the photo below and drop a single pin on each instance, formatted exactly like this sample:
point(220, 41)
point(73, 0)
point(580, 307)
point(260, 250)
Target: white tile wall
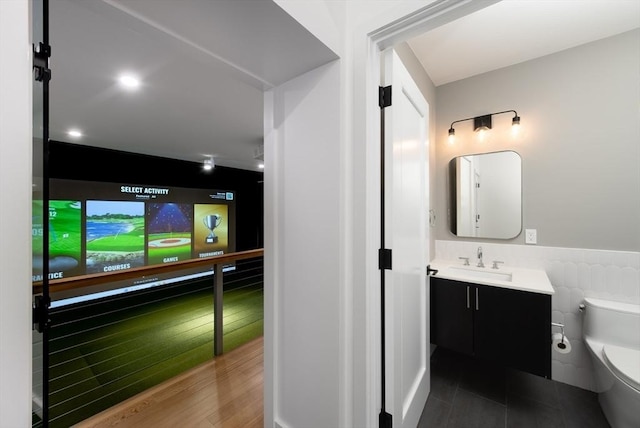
point(575, 273)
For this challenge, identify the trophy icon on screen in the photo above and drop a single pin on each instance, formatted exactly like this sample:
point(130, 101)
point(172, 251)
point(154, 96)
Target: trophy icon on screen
point(212, 221)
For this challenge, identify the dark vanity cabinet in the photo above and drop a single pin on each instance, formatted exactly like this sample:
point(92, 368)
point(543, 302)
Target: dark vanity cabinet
point(506, 326)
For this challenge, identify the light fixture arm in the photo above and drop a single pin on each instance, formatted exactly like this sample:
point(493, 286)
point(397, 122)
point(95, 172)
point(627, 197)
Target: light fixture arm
point(506, 111)
point(461, 120)
point(516, 118)
point(485, 120)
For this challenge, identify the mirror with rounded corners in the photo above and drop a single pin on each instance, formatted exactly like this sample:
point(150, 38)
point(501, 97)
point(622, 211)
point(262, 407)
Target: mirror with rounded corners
point(486, 195)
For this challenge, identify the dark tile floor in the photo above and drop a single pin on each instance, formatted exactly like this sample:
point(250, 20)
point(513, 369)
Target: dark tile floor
point(467, 393)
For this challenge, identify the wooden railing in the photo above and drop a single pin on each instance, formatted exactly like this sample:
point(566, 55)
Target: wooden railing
point(139, 272)
point(217, 262)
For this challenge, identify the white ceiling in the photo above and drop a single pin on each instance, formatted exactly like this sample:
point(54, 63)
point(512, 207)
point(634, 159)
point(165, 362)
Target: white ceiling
point(513, 31)
point(204, 64)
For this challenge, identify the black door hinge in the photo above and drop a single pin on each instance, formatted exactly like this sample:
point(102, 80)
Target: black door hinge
point(41, 57)
point(384, 96)
point(430, 271)
point(41, 313)
point(385, 420)
point(384, 259)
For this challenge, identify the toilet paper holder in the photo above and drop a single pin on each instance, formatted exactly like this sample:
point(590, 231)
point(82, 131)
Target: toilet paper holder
point(557, 324)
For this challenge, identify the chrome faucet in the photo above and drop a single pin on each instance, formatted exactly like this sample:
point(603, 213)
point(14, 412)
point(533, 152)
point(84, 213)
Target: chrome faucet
point(480, 263)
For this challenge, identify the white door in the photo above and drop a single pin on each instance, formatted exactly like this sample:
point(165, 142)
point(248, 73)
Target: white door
point(407, 371)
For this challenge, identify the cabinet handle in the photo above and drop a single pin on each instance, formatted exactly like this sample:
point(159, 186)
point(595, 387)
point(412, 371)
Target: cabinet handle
point(468, 304)
point(477, 301)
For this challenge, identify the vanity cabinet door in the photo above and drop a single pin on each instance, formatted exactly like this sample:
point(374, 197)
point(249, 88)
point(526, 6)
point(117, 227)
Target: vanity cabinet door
point(451, 314)
point(513, 328)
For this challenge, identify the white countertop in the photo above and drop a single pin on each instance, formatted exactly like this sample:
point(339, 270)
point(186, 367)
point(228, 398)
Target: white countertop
point(524, 279)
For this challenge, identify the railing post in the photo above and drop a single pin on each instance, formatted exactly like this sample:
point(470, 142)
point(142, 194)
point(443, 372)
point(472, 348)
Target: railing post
point(217, 308)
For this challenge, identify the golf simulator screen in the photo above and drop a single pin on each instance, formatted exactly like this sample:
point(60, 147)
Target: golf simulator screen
point(98, 227)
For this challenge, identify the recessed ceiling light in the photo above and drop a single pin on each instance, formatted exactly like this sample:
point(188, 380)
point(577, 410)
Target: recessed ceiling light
point(75, 133)
point(261, 166)
point(129, 81)
point(208, 164)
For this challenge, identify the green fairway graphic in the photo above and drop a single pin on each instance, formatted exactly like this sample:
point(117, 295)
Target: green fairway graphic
point(37, 233)
point(115, 235)
point(65, 237)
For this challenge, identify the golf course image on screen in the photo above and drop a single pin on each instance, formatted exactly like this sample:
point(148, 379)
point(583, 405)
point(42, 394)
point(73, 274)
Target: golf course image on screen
point(115, 232)
point(37, 234)
point(101, 227)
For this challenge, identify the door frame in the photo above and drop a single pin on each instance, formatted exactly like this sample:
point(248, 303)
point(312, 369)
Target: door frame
point(428, 18)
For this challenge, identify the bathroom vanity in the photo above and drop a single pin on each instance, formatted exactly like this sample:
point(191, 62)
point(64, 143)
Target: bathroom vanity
point(501, 315)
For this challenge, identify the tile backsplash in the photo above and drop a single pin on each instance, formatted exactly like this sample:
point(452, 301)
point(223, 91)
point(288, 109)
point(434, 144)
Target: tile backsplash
point(575, 273)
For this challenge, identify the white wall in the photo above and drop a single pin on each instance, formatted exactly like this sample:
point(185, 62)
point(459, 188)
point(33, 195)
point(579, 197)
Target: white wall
point(15, 214)
point(579, 141)
point(302, 250)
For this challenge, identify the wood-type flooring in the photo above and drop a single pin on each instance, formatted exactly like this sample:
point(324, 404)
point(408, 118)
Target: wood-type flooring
point(224, 392)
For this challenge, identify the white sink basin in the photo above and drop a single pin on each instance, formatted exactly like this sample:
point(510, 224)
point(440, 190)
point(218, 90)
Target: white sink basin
point(513, 277)
point(485, 273)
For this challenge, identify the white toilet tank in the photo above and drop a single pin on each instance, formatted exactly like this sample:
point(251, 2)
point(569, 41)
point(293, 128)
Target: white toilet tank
point(612, 322)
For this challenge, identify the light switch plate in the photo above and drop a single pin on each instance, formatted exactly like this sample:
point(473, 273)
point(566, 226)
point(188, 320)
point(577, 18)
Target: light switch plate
point(530, 236)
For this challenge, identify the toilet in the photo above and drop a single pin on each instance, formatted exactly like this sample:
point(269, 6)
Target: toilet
point(612, 334)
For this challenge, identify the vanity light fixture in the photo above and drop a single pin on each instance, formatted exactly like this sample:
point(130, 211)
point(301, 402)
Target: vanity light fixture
point(483, 123)
point(515, 124)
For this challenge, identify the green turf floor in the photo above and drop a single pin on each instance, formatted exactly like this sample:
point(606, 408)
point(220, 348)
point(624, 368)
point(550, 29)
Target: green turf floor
point(102, 354)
